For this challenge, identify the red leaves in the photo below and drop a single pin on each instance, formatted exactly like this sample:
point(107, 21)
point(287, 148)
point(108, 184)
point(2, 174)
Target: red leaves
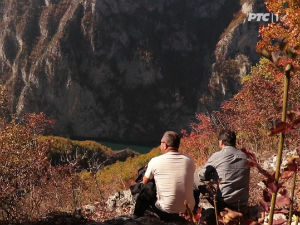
point(291, 167)
point(282, 210)
point(292, 164)
point(279, 221)
point(271, 185)
point(286, 175)
point(281, 127)
point(197, 215)
point(267, 196)
point(27, 175)
point(285, 32)
point(202, 137)
point(230, 216)
point(285, 127)
point(265, 205)
point(252, 162)
point(282, 201)
point(250, 222)
point(38, 123)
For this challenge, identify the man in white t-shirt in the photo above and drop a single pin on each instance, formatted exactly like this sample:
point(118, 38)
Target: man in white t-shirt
point(173, 176)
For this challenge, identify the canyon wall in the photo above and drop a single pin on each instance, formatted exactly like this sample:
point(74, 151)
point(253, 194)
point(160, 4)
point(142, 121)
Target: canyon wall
point(124, 70)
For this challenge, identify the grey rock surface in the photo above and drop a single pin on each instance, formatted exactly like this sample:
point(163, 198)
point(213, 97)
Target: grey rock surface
point(121, 201)
point(121, 70)
point(235, 53)
point(129, 220)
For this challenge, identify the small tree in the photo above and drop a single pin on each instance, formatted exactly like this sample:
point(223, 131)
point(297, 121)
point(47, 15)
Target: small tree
point(281, 44)
point(24, 165)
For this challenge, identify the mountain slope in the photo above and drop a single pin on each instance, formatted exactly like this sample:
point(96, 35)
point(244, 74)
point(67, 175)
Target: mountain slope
point(113, 69)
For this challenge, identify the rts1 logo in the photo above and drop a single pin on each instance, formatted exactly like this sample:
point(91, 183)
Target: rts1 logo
point(265, 17)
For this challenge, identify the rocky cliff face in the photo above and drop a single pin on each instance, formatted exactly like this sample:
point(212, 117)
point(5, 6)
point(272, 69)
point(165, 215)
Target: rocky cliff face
point(121, 69)
point(234, 55)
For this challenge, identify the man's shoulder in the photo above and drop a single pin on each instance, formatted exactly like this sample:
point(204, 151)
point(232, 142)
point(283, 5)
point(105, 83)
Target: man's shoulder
point(156, 158)
point(171, 155)
point(237, 151)
point(222, 154)
point(178, 154)
point(216, 154)
point(187, 157)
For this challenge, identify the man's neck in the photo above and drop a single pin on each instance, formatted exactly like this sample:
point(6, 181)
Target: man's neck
point(171, 149)
point(227, 146)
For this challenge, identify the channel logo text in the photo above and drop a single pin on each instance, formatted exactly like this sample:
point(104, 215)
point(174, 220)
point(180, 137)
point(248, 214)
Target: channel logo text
point(265, 17)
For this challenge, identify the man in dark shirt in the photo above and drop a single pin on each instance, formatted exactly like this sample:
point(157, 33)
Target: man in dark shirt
point(229, 165)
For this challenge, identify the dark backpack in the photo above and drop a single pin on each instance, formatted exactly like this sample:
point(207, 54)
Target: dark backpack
point(140, 188)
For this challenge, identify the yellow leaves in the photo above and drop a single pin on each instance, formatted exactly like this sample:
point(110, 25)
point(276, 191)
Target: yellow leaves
point(65, 145)
point(23, 161)
point(287, 28)
point(93, 145)
point(126, 172)
point(57, 143)
point(229, 216)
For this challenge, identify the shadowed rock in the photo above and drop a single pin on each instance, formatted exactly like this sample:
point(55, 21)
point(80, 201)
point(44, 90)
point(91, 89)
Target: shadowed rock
point(118, 69)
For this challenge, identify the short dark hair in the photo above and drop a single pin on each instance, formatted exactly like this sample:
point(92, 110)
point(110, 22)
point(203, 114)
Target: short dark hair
point(228, 137)
point(172, 139)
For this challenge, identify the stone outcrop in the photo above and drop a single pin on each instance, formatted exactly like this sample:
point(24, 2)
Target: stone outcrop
point(235, 53)
point(129, 220)
point(121, 202)
point(121, 70)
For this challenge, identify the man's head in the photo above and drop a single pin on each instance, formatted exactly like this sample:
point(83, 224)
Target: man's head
point(227, 138)
point(171, 140)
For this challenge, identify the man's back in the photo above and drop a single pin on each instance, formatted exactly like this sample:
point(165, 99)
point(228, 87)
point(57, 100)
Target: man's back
point(230, 165)
point(173, 174)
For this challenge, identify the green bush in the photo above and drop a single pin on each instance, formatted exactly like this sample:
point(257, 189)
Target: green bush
point(85, 154)
point(121, 174)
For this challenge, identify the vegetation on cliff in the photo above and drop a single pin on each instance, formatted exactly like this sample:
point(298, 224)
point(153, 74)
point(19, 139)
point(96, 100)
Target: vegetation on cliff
point(45, 174)
point(267, 105)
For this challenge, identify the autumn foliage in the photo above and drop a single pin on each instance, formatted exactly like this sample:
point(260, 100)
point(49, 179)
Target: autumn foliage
point(286, 29)
point(256, 108)
point(24, 165)
point(201, 141)
point(30, 186)
point(255, 111)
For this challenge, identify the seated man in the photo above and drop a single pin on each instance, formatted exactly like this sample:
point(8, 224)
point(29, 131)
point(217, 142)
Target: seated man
point(229, 165)
point(173, 176)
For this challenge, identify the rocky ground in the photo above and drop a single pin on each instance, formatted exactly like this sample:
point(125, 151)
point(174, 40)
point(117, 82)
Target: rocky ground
point(123, 203)
point(118, 209)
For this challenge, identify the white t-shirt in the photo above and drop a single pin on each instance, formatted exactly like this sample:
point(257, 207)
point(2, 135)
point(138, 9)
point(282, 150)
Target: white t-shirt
point(173, 174)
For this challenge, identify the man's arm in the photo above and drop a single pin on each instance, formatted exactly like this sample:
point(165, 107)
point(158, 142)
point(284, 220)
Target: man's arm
point(148, 174)
point(207, 169)
point(145, 180)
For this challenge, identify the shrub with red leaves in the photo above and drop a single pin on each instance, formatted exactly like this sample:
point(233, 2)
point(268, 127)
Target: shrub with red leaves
point(28, 182)
point(200, 142)
point(24, 165)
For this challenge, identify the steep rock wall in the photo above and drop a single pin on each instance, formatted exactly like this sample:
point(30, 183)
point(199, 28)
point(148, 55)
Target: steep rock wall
point(125, 70)
point(235, 53)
